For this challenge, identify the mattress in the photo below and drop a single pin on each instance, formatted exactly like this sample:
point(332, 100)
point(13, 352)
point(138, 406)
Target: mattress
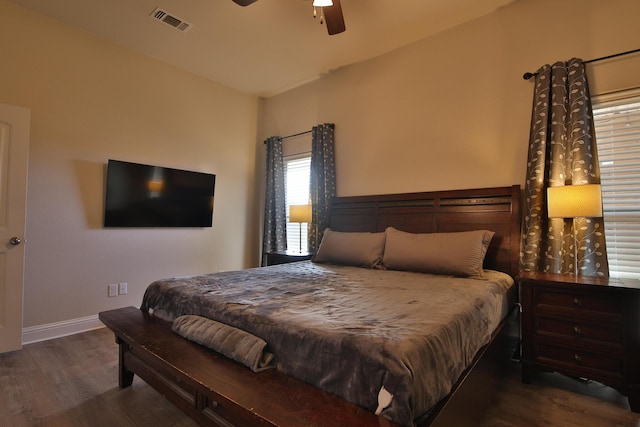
point(351, 331)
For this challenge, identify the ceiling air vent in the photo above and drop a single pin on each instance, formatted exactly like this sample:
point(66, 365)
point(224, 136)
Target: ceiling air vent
point(167, 18)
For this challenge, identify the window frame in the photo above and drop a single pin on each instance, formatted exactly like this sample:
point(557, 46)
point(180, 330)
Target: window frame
point(621, 189)
point(294, 229)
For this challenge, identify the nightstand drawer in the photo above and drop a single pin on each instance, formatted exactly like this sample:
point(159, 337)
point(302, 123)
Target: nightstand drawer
point(586, 331)
point(577, 301)
point(583, 361)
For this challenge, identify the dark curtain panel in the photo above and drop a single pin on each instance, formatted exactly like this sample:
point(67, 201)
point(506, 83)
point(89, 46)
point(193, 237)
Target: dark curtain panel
point(562, 151)
point(323, 181)
point(275, 214)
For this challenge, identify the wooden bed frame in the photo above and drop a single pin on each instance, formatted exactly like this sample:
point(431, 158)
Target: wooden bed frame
point(214, 390)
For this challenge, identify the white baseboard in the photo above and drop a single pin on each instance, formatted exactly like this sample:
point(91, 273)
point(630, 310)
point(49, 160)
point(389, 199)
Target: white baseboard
point(60, 329)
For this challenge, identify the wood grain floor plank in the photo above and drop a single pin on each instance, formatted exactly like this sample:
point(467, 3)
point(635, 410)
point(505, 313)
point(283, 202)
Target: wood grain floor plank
point(72, 381)
point(554, 400)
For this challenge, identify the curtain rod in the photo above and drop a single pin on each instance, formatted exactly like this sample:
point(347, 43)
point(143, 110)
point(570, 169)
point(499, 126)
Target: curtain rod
point(294, 135)
point(528, 75)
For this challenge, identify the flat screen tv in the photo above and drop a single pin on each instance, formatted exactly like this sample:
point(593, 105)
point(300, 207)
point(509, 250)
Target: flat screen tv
point(152, 196)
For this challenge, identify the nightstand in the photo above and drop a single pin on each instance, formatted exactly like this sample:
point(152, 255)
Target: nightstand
point(283, 257)
point(582, 327)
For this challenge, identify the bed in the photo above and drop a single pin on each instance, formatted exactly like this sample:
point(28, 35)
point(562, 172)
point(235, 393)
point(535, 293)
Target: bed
point(352, 340)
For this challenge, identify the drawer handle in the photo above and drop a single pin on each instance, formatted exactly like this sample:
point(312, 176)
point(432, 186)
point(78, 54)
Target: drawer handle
point(577, 358)
point(577, 331)
point(578, 302)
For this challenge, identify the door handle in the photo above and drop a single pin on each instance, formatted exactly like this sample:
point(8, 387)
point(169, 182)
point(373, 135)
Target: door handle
point(15, 241)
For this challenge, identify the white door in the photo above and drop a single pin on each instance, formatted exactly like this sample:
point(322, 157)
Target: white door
point(14, 149)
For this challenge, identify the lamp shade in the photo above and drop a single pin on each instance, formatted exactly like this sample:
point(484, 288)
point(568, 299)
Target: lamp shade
point(322, 3)
point(574, 201)
point(300, 213)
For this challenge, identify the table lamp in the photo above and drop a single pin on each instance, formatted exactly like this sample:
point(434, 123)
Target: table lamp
point(300, 214)
point(574, 201)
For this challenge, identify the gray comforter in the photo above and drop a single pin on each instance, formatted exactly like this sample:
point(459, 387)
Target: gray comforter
point(350, 330)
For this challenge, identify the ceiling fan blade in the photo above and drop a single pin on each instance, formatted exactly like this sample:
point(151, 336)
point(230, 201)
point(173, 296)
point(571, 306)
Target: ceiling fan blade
point(244, 2)
point(334, 19)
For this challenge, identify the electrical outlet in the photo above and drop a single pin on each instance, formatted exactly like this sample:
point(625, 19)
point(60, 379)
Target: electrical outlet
point(112, 290)
point(122, 288)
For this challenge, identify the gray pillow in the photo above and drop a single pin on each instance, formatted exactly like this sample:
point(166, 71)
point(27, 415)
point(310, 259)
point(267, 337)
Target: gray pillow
point(357, 249)
point(457, 254)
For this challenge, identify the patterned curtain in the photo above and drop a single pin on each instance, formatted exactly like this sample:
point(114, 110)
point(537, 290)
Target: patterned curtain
point(275, 213)
point(323, 181)
point(562, 151)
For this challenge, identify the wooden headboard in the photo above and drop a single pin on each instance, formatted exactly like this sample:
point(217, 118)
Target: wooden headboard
point(496, 209)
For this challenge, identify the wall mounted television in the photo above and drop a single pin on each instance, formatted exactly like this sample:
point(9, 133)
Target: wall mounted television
point(140, 195)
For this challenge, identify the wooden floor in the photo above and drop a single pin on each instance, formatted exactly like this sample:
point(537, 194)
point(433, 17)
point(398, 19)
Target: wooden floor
point(72, 381)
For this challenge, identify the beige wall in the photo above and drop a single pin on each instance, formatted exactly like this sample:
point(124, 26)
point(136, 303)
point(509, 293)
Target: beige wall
point(452, 111)
point(90, 101)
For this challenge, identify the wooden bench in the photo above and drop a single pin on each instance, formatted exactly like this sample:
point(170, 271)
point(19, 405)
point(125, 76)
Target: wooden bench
point(214, 390)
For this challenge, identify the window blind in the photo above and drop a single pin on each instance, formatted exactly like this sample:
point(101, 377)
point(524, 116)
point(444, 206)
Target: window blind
point(617, 127)
point(297, 173)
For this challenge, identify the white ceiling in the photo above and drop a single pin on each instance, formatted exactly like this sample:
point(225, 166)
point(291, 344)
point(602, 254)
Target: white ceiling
point(267, 47)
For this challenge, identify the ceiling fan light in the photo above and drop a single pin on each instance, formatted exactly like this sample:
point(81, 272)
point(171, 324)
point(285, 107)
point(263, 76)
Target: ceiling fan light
point(322, 3)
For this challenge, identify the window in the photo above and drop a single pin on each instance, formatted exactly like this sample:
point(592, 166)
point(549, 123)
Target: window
point(296, 175)
point(617, 127)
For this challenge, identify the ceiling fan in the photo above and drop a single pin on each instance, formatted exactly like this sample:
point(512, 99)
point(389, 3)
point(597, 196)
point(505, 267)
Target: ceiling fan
point(332, 14)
